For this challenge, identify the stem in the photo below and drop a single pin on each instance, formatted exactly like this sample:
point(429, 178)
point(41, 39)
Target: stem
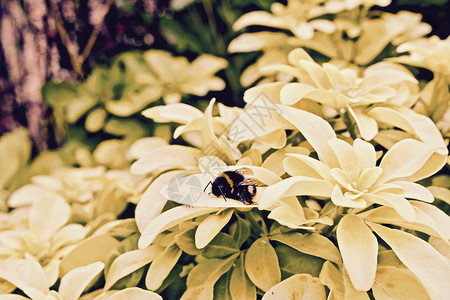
point(348, 122)
point(255, 226)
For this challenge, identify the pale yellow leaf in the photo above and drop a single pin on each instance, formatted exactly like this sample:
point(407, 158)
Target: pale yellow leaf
point(25, 274)
point(76, 280)
point(293, 186)
point(48, 214)
point(432, 269)
point(95, 120)
point(347, 157)
point(359, 248)
point(303, 165)
point(93, 249)
point(152, 202)
point(257, 18)
point(176, 112)
point(404, 159)
point(274, 162)
point(394, 283)
point(129, 262)
point(261, 264)
point(210, 227)
point(338, 198)
point(168, 219)
point(291, 93)
point(402, 206)
point(134, 293)
point(298, 286)
point(367, 126)
point(144, 146)
point(423, 223)
point(332, 277)
point(167, 157)
point(161, 267)
point(316, 130)
point(440, 193)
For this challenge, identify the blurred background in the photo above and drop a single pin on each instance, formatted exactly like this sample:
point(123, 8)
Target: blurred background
point(49, 47)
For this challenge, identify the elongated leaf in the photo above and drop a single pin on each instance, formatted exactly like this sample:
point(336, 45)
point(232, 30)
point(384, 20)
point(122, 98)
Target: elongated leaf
point(423, 223)
point(93, 249)
point(222, 245)
point(312, 244)
point(241, 232)
point(274, 162)
point(261, 264)
point(294, 262)
point(359, 248)
point(316, 130)
point(221, 288)
point(167, 157)
point(25, 274)
point(421, 258)
point(210, 227)
point(168, 219)
point(299, 286)
point(241, 288)
point(294, 186)
point(186, 241)
point(134, 293)
point(48, 213)
point(152, 202)
point(332, 277)
point(396, 283)
point(404, 159)
point(202, 278)
point(410, 121)
point(75, 281)
point(161, 267)
point(129, 262)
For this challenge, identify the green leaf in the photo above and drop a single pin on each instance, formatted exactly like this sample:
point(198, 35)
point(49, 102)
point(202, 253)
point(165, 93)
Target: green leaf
point(261, 264)
point(185, 240)
point(210, 227)
point(294, 262)
point(221, 288)
point(222, 245)
point(312, 244)
point(129, 262)
point(299, 286)
point(15, 148)
point(202, 278)
point(359, 249)
point(241, 231)
point(161, 267)
point(421, 258)
point(241, 288)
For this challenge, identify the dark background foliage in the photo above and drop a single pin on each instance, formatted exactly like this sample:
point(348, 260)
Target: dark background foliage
point(44, 40)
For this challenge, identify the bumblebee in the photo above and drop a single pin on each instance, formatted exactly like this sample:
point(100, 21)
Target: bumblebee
point(237, 184)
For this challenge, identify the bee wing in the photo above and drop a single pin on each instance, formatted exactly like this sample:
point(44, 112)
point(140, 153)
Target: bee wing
point(244, 171)
point(252, 181)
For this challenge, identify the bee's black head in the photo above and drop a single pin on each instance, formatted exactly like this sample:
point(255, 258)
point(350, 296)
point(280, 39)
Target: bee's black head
point(220, 186)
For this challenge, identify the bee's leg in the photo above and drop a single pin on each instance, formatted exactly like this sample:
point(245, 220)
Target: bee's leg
point(245, 195)
point(222, 194)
